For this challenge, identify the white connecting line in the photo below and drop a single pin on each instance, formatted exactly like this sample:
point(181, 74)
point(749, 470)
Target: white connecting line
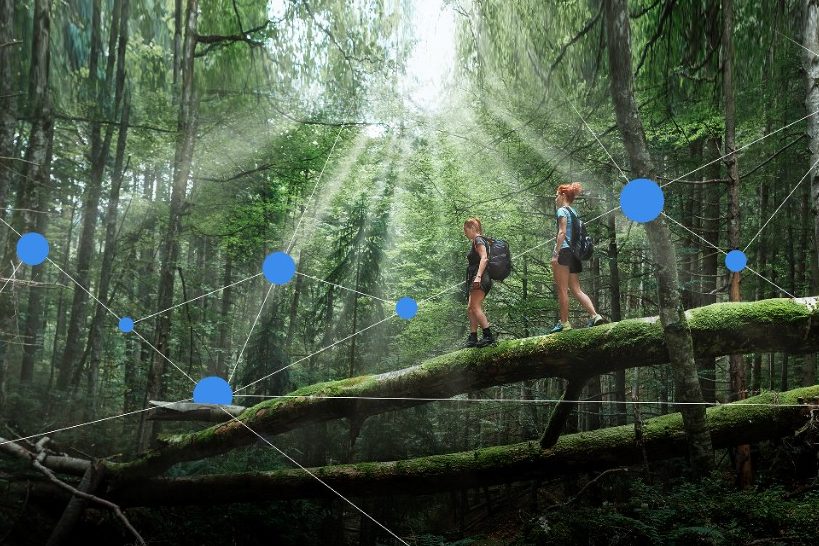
point(11, 277)
point(741, 148)
point(302, 359)
point(322, 482)
point(781, 204)
point(318, 180)
point(344, 287)
point(514, 400)
point(252, 327)
point(197, 297)
point(712, 245)
point(287, 251)
point(163, 405)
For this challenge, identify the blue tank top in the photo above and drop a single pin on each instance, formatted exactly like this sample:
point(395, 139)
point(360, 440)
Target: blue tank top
point(565, 213)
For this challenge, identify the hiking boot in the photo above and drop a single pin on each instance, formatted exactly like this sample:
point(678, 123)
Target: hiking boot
point(596, 320)
point(561, 327)
point(487, 339)
point(472, 340)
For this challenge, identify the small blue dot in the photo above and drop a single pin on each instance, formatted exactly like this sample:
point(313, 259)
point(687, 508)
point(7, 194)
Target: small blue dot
point(212, 390)
point(406, 307)
point(642, 200)
point(736, 260)
point(32, 248)
point(279, 268)
point(126, 324)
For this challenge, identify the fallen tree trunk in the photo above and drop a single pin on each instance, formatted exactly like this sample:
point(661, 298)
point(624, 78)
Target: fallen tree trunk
point(576, 355)
point(767, 416)
point(190, 411)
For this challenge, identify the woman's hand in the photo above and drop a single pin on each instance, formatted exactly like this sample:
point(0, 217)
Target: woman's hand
point(476, 282)
point(554, 258)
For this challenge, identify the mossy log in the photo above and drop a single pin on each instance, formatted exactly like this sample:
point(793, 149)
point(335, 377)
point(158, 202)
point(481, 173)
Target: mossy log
point(767, 416)
point(576, 355)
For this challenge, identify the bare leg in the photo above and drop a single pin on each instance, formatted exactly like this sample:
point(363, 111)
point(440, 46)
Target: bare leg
point(473, 322)
point(585, 301)
point(475, 300)
point(561, 275)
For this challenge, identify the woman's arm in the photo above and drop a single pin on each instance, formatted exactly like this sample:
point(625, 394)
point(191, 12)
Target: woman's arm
point(484, 259)
point(561, 234)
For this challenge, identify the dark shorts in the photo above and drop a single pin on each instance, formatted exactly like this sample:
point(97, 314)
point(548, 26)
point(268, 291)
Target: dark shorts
point(565, 257)
point(486, 282)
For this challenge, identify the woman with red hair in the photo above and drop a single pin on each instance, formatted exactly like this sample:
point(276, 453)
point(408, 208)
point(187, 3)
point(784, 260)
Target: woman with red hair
point(565, 265)
point(478, 284)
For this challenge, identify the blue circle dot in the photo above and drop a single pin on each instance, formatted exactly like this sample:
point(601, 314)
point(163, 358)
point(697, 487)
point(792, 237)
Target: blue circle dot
point(406, 307)
point(736, 260)
point(32, 248)
point(126, 324)
point(642, 200)
point(212, 390)
point(279, 268)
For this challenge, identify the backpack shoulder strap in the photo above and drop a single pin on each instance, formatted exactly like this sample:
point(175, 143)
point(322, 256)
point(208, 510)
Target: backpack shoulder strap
point(485, 243)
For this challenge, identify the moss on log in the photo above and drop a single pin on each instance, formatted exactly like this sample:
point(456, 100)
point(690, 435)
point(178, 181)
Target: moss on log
point(664, 437)
point(717, 329)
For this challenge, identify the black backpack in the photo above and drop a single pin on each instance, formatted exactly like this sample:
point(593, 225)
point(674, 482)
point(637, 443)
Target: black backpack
point(581, 245)
point(500, 258)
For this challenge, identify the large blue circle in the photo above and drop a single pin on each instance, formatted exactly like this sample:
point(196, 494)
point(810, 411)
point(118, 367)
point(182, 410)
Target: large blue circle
point(126, 324)
point(278, 268)
point(406, 307)
point(32, 248)
point(736, 260)
point(212, 390)
point(642, 200)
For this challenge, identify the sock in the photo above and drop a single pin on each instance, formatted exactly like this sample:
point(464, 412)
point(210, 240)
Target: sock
point(487, 332)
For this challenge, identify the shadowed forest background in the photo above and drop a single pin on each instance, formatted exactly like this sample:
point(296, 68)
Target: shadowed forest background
point(165, 147)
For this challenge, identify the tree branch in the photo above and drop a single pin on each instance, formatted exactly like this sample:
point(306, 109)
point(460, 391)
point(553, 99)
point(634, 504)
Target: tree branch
point(667, 9)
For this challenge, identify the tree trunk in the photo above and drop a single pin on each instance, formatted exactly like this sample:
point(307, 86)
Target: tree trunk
point(59, 329)
point(616, 313)
point(223, 351)
point(810, 63)
point(100, 146)
point(94, 346)
point(663, 438)
point(35, 321)
point(8, 101)
point(718, 329)
point(294, 307)
point(37, 161)
point(672, 316)
point(594, 389)
point(170, 246)
point(737, 363)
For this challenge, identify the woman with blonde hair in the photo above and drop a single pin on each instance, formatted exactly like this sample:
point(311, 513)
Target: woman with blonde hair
point(478, 284)
point(565, 265)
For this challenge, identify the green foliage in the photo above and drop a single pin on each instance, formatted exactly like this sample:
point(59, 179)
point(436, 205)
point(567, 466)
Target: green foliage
point(680, 513)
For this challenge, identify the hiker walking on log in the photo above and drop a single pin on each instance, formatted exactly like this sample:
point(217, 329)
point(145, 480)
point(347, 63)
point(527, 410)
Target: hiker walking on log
point(478, 284)
point(565, 264)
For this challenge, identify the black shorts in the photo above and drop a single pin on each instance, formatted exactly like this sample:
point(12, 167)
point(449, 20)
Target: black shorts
point(486, 281)
point(565, 257)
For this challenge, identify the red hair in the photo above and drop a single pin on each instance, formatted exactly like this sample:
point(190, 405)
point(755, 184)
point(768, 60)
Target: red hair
point(474, 223)
point(570, 191)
